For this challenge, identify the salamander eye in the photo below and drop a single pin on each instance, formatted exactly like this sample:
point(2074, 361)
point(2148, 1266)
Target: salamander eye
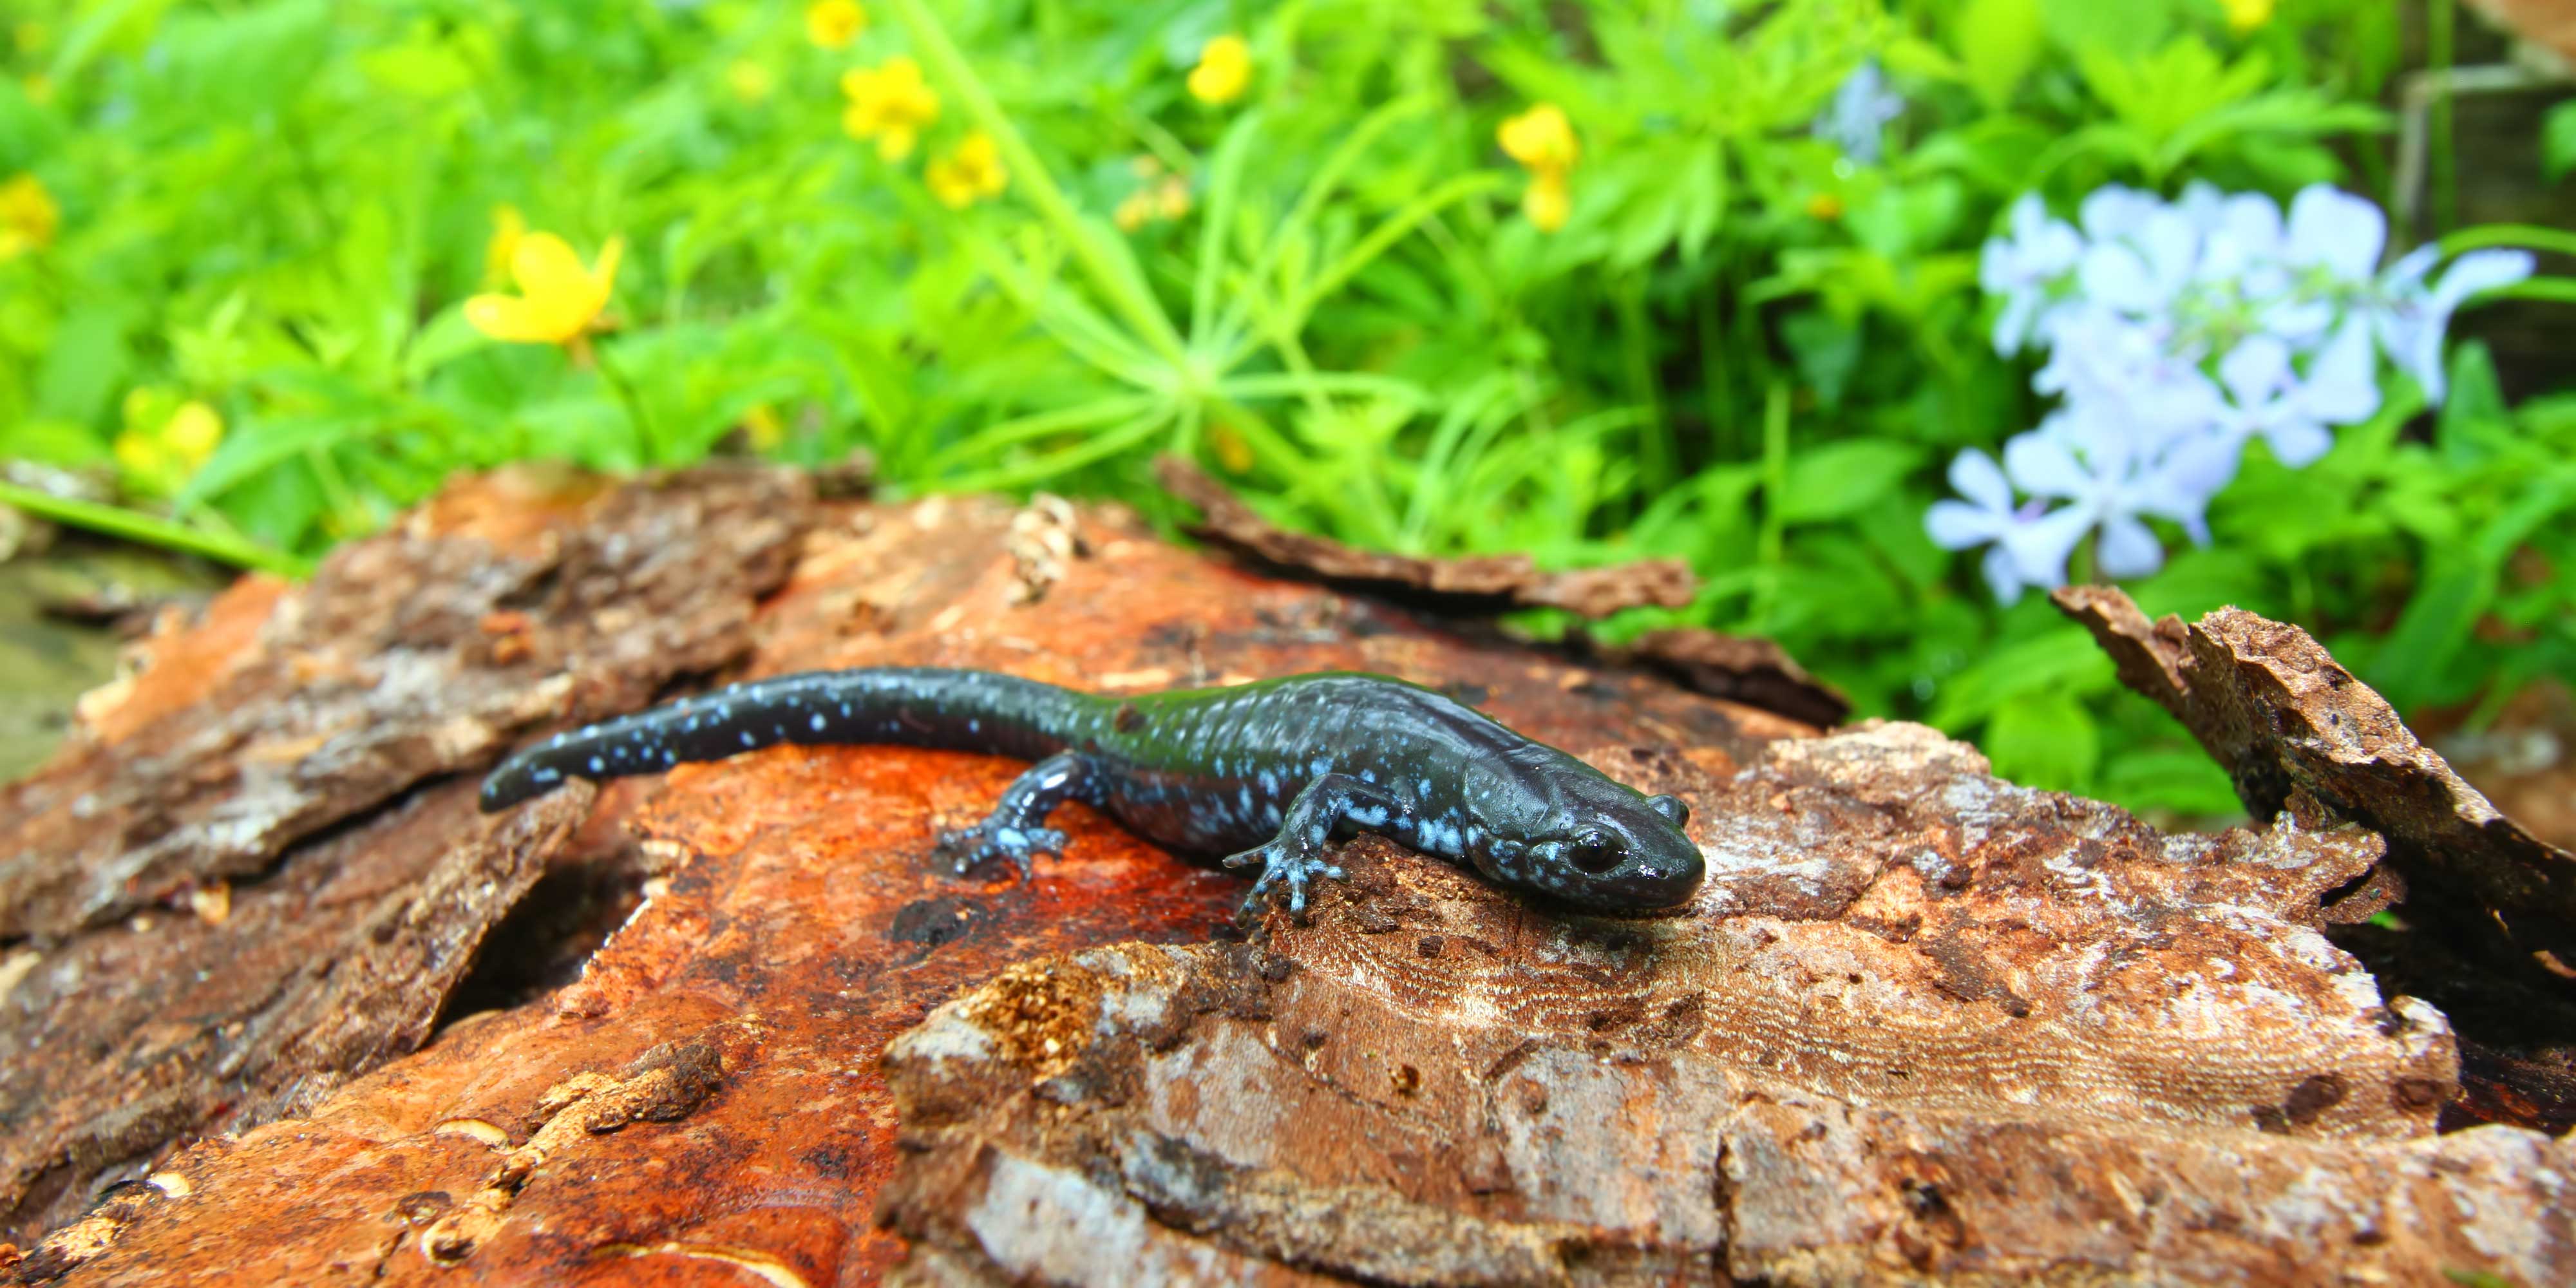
point(1594, 852)
point(1675, 810)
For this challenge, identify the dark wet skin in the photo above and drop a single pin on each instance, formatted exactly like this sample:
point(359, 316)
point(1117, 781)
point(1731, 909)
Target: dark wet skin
point(1265, 773)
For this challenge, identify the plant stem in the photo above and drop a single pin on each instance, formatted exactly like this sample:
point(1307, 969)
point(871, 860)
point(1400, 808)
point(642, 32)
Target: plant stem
point(646, 446)
point(1772, 541)
point(152, 530)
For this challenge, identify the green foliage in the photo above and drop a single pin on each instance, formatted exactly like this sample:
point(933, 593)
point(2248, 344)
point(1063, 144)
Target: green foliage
point(1742, 347)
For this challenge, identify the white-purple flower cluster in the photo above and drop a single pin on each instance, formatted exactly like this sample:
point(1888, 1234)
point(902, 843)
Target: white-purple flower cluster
point(2176, 331)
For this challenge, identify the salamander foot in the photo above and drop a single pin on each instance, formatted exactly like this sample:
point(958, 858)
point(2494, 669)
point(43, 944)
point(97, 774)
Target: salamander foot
point(1281, 866)
point(992, 838)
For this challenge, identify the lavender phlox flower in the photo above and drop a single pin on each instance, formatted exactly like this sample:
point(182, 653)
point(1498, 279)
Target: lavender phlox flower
point(1861, 108)
point(2269, 399)
point(2111, 212)
point(2240, 239)
point(2024, 266)
point(2099, 356)
point(1985, 519)
point(2144, 271)
point(2411, 318)
point(2335, 230)
point(2112, 473)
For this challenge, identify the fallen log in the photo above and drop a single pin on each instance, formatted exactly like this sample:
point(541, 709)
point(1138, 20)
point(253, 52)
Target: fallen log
point(1919, 1024)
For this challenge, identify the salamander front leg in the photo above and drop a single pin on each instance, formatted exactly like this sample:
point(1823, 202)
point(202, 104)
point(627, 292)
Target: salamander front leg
point(1296, 854)
point(1016, 829)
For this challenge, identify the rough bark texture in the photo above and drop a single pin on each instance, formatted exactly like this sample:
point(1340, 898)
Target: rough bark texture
point(261, 957)
point(1919, 1025)
point(420, 652)
point(2491, 908)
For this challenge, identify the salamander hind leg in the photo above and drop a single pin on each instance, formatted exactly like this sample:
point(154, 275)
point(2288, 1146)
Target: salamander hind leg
point(1016, 829)
point(1295, 857)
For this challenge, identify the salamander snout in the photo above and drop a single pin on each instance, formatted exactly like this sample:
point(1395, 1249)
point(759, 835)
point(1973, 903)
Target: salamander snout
point(1627, 857)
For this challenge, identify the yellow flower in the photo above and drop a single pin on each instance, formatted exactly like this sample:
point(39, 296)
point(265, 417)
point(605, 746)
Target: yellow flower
point(1134, 212)
point(28, 216)
point(1169, 199)
point(888, 103)
point(762, 428)
point(1825, 206)
point(1548, 200)
point(558, 298)
point(159, 458)
point(833, 24)
point(193, 432)
point(2245, 15)
point(750, 81)
point(1540, 138)
point(969, 173)
point(509, 228)
point(1224, 70)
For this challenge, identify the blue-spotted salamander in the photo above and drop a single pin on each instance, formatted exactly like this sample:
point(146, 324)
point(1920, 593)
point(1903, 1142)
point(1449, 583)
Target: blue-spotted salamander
point(1264, 773)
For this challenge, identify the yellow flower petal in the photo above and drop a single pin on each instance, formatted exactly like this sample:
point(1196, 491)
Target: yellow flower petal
point(1223, 72)
point(971, 171)
point(193, 432)
point(1133, 212)
point(833, 24)
point(1549, 201)
point(2245, 15)
point(1540, 138)
point(509, 319)
point(28, 216)
point(559, 299)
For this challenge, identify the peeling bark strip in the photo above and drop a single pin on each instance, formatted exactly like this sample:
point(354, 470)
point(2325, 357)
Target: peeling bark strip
point(423, 651)
point(1755, 672)
point(2282, 717)
point(1483, 584)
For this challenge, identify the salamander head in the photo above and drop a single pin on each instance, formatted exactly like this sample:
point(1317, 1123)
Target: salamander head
point(1622, 854)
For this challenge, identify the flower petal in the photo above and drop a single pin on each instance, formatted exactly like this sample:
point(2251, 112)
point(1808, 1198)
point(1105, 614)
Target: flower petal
point(2255, 369)
point(2341, 387)
point(1978, 478)
point(510, 319)
point(544, 265)
point(2128, 548)
point(2044, 467)
point(2298, 443)
point(1957, 525)
point(2480, 270)
point(2039, 548)
point(2337, 229)
point(2002, 575)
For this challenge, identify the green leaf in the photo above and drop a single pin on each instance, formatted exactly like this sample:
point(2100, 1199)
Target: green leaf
point(2044, 740)
point(2558, 142)
point(1998, 40)
point(86, 365)
point(2124, 27)
point(1838, 480)
point(2475, 424)
point(1826, 349)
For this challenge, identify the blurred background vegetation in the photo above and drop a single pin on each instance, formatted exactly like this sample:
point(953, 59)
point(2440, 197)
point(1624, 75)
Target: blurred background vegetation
point(1591, 279)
